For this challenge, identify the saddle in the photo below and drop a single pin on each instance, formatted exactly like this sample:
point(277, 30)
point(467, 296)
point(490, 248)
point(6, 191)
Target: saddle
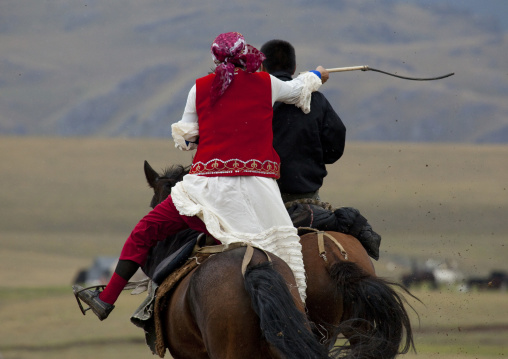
point(174, 261)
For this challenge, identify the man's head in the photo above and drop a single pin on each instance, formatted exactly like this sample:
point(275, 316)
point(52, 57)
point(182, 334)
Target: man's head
point(280, 56)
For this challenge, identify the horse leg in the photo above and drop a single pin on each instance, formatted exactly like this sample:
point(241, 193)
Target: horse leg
point(222, 310)
point(183, 336)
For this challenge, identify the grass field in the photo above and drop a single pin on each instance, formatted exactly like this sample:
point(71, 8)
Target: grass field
point(65, 201)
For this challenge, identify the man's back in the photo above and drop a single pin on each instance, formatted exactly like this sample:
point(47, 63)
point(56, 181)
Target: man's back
point(306, 142)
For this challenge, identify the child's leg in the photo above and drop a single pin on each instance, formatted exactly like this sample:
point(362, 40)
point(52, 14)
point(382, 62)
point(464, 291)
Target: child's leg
point(159, 223)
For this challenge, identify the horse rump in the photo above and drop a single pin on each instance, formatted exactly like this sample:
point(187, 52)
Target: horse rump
point(375, 321)
point(282, 324)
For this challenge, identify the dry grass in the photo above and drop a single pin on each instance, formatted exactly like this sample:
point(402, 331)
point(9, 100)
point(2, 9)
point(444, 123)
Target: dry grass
point(461, 323)
point(64, 201)
point(46, 323)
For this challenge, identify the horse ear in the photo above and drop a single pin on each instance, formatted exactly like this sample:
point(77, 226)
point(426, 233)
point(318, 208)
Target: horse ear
point(150, 174)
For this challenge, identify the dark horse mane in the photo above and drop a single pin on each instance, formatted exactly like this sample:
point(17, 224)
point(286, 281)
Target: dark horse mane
point(171, 175)
point(175, 172)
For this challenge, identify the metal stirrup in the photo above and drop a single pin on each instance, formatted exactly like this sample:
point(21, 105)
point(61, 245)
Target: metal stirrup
point(83, 310)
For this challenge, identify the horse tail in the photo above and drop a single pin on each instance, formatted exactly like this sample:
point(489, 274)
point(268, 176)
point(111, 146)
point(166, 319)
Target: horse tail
point(282, 324)
point(375, 321)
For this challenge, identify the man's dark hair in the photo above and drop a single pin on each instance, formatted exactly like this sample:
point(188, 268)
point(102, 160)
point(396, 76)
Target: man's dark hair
point(280, 56)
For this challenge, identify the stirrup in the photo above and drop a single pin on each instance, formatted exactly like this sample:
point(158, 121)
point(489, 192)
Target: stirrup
point(83, 310)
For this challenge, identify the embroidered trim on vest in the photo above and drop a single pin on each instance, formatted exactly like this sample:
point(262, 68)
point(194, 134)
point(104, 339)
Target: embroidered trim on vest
point(235, 166)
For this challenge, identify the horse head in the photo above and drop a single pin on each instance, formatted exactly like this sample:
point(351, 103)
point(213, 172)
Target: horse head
point(163, 183)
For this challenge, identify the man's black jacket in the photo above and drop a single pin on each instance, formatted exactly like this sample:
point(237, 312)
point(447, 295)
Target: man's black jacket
point(306, 142)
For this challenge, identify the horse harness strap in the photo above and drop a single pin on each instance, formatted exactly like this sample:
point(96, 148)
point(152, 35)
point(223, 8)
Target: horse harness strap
point(247, 257)
point(321, 243)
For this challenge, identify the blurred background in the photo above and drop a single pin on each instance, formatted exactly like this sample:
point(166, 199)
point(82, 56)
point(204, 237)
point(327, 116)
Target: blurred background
point(89, 89)
point(124, 68)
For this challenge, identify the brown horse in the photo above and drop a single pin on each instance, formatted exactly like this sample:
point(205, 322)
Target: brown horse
point(344, 295)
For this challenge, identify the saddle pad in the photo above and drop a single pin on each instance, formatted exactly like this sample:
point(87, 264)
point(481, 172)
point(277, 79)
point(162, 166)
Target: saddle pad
point(174, 261)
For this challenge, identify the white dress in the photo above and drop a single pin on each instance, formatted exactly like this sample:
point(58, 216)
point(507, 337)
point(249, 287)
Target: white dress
point(244, 208)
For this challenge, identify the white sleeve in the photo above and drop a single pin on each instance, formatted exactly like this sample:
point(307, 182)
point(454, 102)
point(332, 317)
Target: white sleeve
point(186, 131)
point(297, 91)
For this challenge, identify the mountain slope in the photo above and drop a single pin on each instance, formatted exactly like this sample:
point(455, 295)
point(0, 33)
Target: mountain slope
point(123, 68)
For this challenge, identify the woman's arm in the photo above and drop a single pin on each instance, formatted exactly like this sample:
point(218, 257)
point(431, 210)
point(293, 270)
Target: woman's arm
point(298, 91)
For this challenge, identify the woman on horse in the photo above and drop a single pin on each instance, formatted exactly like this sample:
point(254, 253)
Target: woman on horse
point(231, 191)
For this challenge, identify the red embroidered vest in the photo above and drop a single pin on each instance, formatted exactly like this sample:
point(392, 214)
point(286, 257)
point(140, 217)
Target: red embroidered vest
point(235, 134)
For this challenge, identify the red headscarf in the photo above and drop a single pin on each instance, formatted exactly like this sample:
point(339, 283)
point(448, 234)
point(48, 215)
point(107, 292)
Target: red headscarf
point(228, 51)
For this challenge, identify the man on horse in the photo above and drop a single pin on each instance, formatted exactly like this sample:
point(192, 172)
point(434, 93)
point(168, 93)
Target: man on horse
point(306, 143)
point(230, 192)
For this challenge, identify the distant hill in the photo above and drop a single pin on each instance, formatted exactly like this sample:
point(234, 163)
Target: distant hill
point(124, 67)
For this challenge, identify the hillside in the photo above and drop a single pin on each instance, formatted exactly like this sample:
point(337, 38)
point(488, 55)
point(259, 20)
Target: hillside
point(123, 67)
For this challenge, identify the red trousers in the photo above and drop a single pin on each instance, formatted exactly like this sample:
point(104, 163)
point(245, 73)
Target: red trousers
point(162, 221)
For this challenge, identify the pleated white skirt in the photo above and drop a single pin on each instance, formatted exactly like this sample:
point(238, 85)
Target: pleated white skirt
point(243, 209)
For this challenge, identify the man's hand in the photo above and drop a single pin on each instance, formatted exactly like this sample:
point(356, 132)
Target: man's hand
point(324, 73)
